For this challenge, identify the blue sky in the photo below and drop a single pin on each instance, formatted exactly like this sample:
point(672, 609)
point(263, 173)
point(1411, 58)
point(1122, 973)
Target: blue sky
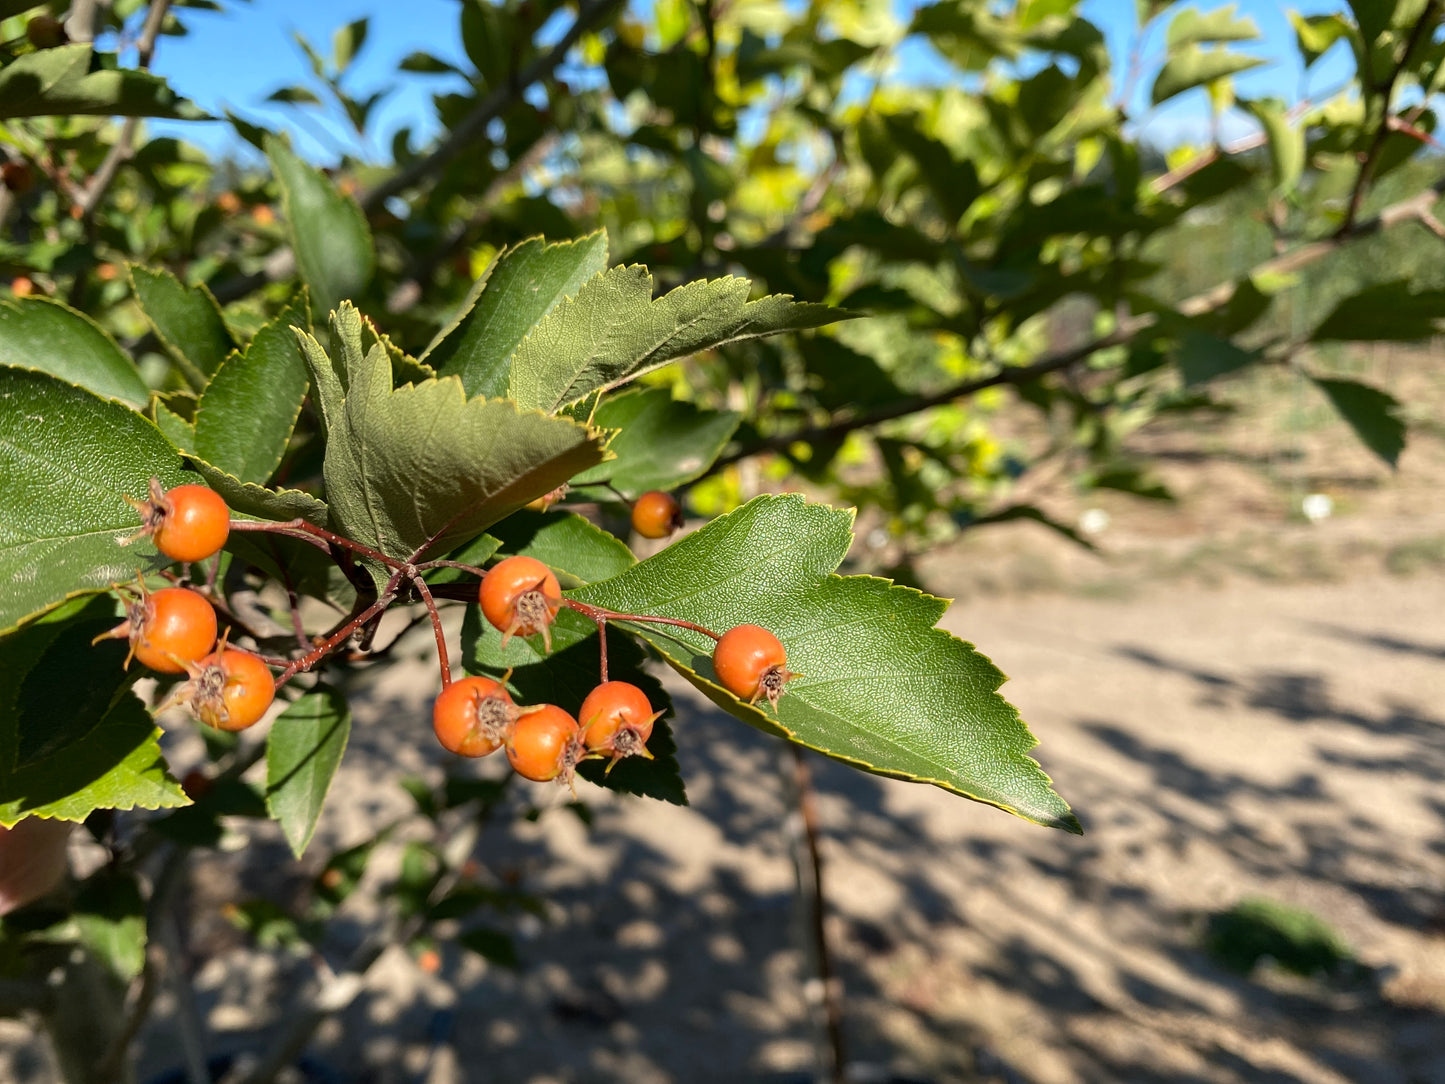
point(234, 59)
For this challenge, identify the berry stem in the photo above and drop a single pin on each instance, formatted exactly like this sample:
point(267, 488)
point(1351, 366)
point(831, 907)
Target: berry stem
point(290, 527)
point(321, 650)
point(602, 647)
point(436, 623)
point(428, 565)
point(600, 614)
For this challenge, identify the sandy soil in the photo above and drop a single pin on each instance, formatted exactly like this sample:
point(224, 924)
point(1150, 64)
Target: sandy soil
point(1278, 741)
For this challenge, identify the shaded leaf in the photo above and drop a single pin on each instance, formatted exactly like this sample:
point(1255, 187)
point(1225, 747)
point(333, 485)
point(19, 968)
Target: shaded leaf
point(303, 751)
point(1203, 357)
point(186, 320)
point(39, 334)
point(57, 82)
point(1371, 413)
point(247, 413)
point(73, 738)
point(1393, 311)
point(332, 241)
point(663, 442)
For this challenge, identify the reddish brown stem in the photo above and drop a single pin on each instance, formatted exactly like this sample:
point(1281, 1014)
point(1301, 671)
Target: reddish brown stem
point(473, 569)
point(600, 614)
point(311, 658)
point(602, 649)
point(436, 624)
point(294, 525)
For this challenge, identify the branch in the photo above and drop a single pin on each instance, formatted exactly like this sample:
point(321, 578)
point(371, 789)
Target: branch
point(123, 148)
point(1417, 208)
point(493, 105)
point(1377, 144)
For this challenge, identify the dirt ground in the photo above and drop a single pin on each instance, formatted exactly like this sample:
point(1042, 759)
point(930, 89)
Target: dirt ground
point(1237, 702)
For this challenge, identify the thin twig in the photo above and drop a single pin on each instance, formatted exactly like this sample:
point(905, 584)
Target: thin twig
point(123, 147)
point(1363, 179)
point(808, 864)
point(1413, 208)
point(436, 624)
point(493, 105)
point(600, 614)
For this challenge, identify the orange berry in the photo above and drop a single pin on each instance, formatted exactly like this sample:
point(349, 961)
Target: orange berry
point(22, 286)
point(521, 596)
point(167, 630)
point(749, 662)
point(656, 514)
point(617, 720)
point(187, 523)
point(230, 689)
point(545, 744)
point(473, 717)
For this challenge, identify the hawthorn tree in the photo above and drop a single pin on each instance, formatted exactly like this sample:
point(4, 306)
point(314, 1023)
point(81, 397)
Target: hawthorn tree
point(642, 252)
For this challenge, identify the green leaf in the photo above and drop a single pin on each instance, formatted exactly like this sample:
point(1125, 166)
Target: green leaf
point(663, 442)
point(1371, 413)
point(1202, 357)
point(186, 319)
point(69, 460)
point(491, 945)
point(332, 241)
point(248, 411)
point(421, 469)
point(521, 286)
point(177, 430)
point(1193, 67)
point(57, 82)
point(881, 687)
point(348, 41)
point(1315, 34)
point(574, 548)
point(36, 333)
point(612, 331)
point(1393, 311)
point(73, 739)
point(1286, 142)
point(303, 752)
point(1131, 478)
point(426, 64)
point(1192, 26)
point(294, 96)
point(258, 502)
point(110, 917)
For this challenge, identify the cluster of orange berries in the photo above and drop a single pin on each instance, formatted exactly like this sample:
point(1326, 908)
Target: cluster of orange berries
point(477, 716)
point(173, 631)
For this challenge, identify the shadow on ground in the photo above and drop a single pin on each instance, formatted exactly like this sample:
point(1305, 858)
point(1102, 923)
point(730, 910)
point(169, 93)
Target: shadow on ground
point(971, 946)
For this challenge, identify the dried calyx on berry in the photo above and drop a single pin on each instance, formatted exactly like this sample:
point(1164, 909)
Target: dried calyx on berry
point(187, 523)
point(474, 716)
point(521, 596)
point(229, 689)
point(617, 720)
point(750, 662)
point(167, 629)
